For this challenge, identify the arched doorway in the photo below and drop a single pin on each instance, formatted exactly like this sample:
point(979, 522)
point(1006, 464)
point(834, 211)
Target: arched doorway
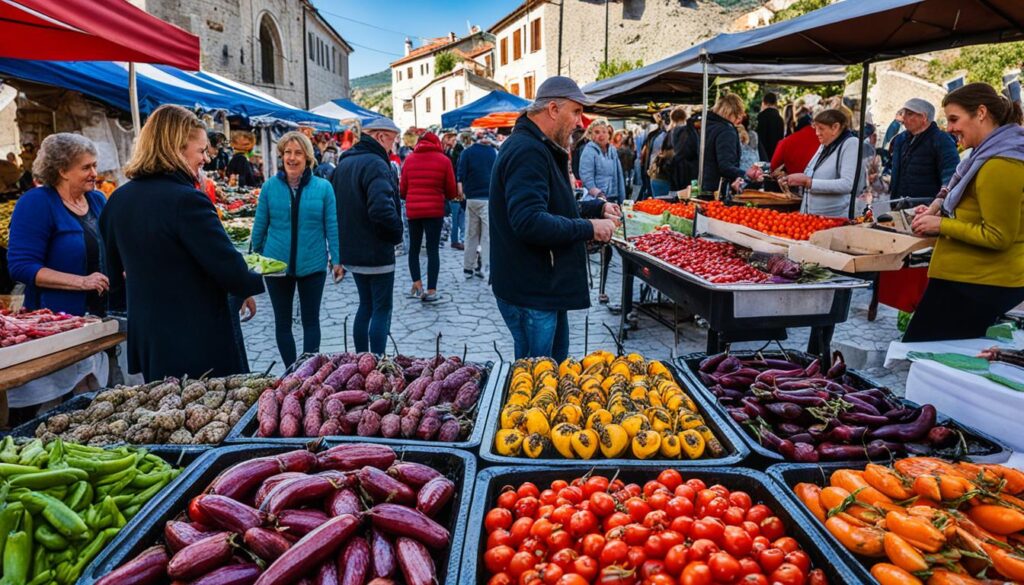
point(271, 58)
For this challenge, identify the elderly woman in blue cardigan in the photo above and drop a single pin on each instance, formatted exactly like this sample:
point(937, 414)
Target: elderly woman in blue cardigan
point(601, 174)
point(55, 247)
point(297, 223)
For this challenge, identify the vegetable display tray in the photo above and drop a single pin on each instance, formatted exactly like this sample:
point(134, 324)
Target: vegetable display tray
point(761, 488)
point(989, 449)
point(458, 466)
point(790, 474)
point(734, 447)
point(245, 431)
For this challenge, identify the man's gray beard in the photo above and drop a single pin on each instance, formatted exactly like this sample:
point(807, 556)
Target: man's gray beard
point(563, 137)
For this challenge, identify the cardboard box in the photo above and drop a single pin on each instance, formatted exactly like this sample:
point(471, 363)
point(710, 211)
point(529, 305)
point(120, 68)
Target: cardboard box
point(742, 235)
point(858, 249)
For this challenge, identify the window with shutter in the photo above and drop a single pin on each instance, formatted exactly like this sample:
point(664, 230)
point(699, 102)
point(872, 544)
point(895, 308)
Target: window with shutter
point(528, 82)
point(514, 89)
point(428, 105)
point(504, 51)
point(535, 35)
point(517, 45)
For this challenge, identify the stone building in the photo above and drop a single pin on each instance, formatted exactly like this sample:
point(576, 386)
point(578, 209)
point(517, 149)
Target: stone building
point(283, 47)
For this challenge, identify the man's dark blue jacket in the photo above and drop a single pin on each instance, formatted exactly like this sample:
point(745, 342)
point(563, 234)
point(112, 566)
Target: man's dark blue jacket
point(538, 238)
point(369, 216)
point(922, 164)
point(474, 170)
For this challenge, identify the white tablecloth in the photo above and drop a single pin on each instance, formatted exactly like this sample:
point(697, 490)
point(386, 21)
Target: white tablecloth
point(898, 350)
point(60, 382)
point(969, 399)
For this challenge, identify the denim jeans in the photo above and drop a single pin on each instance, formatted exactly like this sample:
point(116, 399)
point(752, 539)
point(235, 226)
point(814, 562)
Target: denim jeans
point(282, 292)
point(536, 333)
point(659, 188)
point(458, 214)
point(405, 231)
point(373, 317)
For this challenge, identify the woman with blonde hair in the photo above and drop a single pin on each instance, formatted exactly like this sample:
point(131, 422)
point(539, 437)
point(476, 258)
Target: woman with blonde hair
point(722, 146)
point(297, 223)
point(165, 245)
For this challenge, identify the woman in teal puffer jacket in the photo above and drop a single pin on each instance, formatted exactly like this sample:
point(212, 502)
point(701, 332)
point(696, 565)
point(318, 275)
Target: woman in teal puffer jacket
point(297, 223)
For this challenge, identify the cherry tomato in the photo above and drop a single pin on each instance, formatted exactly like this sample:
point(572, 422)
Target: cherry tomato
point(637, 509)
point(562, 514)
point(671, 538)
point(637, 556)
point(715, 507)
point(499, 536)
point(582, 523)
point(530, 577)
point(602, 504)
point(661, 579)
point(678, 506)
point(800, 559)
point(520, 563)
point(724, 568)
point(614, 553)
point(682, 524)
point(720, 490)
point(654, 547)
point(527, 489)
point(659, 499)
point(761, 543)
point(586, 567)
point(652, 487)
point(497, 559)
point(749, 566)
point(696, 574)
point(564, 558)
point(572, 493)
point(592, 545)
point(551, 573)
point(758, 513)
point(734, 516)
point(670, 478)
point(704, 498)
point(542, 528)
point(736, 541)
point(772, 528)
point(616, 485)
point(526, 507)
point(615, 520)
point(559, 539)
point(497, 518)
point(520, 530)
point(500, 579)
point(685, 491)
point(740, 500)
point(533, 546)
point(573, 579)
point(753, 579)
point(701, 550)
point(656, 520)
point(507, 499)
point(817, 577)
point(696, 485)
point(771, 559)
point(708, 528)
point(652, 567)
point(636, 534)
point(545, 510)
point(787, 574)
point(594, 484)
point(676, 559)
point(752, 529)
point(787, 543)
point(617, 576)
point(558, 485)
point(548, 497)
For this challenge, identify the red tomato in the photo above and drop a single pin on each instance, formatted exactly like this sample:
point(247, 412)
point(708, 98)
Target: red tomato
point(817, 577)
point(654, 547)
point(530, 577)
point(659, 499)
point(696, 574)
point(526, 507)
point(548, 497)
point(499, 536)
point(615, 520)
point(708, 528)
point(701, 550)
point(562, 514)
point(616, 485)
point(656, 519)
point(653, 486)
point(594, 484)
point(533, 546)
point(582, 523)
point(507, 499)
point(586, 567)
point(676, 559)
point(651, 568)
point(696, 485)
point(617, 576)
point(551, 573)
point(740, 500)
point(772, 528)
point(637, 556)
point(753, 579)
point(720, 489)
point(564, 558)
point(497, 518)
point(787, 543)
point(671, 538)
point(592, 545)
point(500, 579)
point(787, 574)
point(724, 568)
point(520, 563)
point(602, 504)
point(749, 566)
point(704, 497)
point(572, 493)
point(758, 513)
point(614, 553)
point(771, 559)
point(715, 507)
point(637, 509)
point(752, 529)
point(761, 543)
point(520, 530)
point(678, 506)
point(542, 528)
point(497, 559)
point(736, 541)
point(800, 559)
point(636, 534)
point(527, 489)
point(734, 516)
point(670, 478)
point(559, 539)
point(682, 524)
point(573, 579)
point(685, 491)
point(545, 510)
point(558, 485)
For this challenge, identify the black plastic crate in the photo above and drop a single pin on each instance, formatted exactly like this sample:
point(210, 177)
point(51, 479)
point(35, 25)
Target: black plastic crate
point(790, 474)
point(458, 466)
point(761, 488)
point(493, 374)
point(995, 451)
point(735, 449)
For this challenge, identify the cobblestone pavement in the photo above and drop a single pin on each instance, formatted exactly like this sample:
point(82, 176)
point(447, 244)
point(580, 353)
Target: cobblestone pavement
point(467, 316)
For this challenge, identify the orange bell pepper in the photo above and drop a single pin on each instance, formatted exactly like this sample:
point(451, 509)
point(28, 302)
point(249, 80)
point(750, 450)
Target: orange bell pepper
point(917, 531)
point(862, 540)
point(902, 554)
point(853, 481)
point(912, 467)
point(892, 575)
point(1008, 564)
point(887, 481)
point(1000, 520)
point(810, 494)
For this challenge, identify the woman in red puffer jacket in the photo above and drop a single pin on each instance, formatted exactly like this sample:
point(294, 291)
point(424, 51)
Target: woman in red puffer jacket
point(427, 181)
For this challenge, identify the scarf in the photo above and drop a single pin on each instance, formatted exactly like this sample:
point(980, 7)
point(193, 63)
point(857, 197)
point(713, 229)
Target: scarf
point(826, 151)
point(1006, 141)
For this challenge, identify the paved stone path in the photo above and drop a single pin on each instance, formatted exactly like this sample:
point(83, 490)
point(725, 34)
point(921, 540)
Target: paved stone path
point(467, 316)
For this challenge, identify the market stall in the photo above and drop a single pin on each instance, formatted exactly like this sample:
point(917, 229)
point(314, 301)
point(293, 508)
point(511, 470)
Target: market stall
point(343, 110)
point(496, 102)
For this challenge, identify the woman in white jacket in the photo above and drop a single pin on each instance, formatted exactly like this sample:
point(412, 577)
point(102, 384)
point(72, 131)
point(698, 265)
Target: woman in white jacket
point(829, 177)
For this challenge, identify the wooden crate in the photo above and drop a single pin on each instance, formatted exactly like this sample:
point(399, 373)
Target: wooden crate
point(30, 350)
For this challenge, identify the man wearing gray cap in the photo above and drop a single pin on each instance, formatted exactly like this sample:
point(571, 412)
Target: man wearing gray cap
point(538, 230)
point(923, 157)
point(369, 228)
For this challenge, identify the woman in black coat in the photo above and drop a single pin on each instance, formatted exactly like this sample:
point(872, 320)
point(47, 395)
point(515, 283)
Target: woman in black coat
point(163, 239)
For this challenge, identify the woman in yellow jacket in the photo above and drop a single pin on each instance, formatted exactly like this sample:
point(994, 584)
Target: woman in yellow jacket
point(977, 268)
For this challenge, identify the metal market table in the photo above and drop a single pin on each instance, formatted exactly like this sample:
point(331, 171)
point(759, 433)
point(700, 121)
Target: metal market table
point(742, 312)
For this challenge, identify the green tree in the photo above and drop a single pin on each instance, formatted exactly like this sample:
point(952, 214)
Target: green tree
point(988, 62)
point(616, 66)
point(799, 9)
point(444, 62)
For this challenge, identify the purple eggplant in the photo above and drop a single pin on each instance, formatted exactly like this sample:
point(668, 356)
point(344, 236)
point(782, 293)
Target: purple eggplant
point(847, 434)
point(833, 452)
point(787, 429)
point(770, 376)
point(942, 436)
point(754, 408)
point(727, 365)
point(711, 363)
point(813, 369)
point(801, 438)
point(860, 405)
point(838, 366)
point(806, 397)
point(739, 415)
point(883, 449)
point(859, 418)
point(805, 453)
point(784, 410)
point(909, 431)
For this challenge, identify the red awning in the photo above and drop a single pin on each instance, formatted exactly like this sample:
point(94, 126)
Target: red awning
point(92, 30)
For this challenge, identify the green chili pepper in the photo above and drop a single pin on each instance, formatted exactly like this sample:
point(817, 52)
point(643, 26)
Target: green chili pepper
point(9, 518)
point(17, 557)
point(64, 519)
point(13, 469)
point(39, 557)
point(131, 511)
point(8, 450)
point(50, 538)
point(47, 479)
point(114, 477)
point(147, 494)
point(42, 578)
point(79, 497)
point(91, 550)
point(98, 468)
point(40, 459)
point(30, 450)
point(148, 479)
point(28, 523)
point(117, 488)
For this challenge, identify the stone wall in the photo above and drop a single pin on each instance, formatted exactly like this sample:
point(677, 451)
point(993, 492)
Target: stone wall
point(893, 88)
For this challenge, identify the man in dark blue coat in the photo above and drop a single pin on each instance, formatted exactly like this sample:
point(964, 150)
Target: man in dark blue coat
point(923, 157)
point(538, 234)
point(369, 228)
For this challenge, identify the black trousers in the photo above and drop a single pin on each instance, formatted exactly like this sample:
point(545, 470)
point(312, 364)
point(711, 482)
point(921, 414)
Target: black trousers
point(432, 228)
point(282, 292)
point(959, 310)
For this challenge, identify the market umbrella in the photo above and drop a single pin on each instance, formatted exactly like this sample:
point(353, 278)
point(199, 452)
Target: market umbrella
point(346, 109)
point(495, 102)
point(87, 30)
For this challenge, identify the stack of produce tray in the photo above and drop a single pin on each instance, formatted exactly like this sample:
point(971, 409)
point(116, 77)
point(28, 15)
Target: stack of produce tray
point(301, 514)
point(785, 413)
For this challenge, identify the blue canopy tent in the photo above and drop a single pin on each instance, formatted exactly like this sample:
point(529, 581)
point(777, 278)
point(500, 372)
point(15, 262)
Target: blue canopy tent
point(346, 109)
point(107, 82)
point(493, 103)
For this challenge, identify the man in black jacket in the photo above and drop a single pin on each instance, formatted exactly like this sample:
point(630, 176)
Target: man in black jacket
point(770, 127)
point(538, 237)
point(369, 228)
point(923, 157)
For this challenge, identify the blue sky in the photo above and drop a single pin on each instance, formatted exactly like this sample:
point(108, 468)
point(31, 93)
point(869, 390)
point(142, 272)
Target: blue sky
point(376, 48)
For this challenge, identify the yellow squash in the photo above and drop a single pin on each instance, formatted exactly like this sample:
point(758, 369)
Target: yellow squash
point(561, 438)
point(646, 444)
point(536, 422)
point(613, 440)
point(534, 445)
point(692, 442)
point(670, 447)
point(584, 443)
point(508, 442)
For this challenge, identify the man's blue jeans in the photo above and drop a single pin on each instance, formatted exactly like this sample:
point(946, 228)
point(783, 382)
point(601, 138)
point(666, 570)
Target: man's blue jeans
point(458, 214)
point(536, 333)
